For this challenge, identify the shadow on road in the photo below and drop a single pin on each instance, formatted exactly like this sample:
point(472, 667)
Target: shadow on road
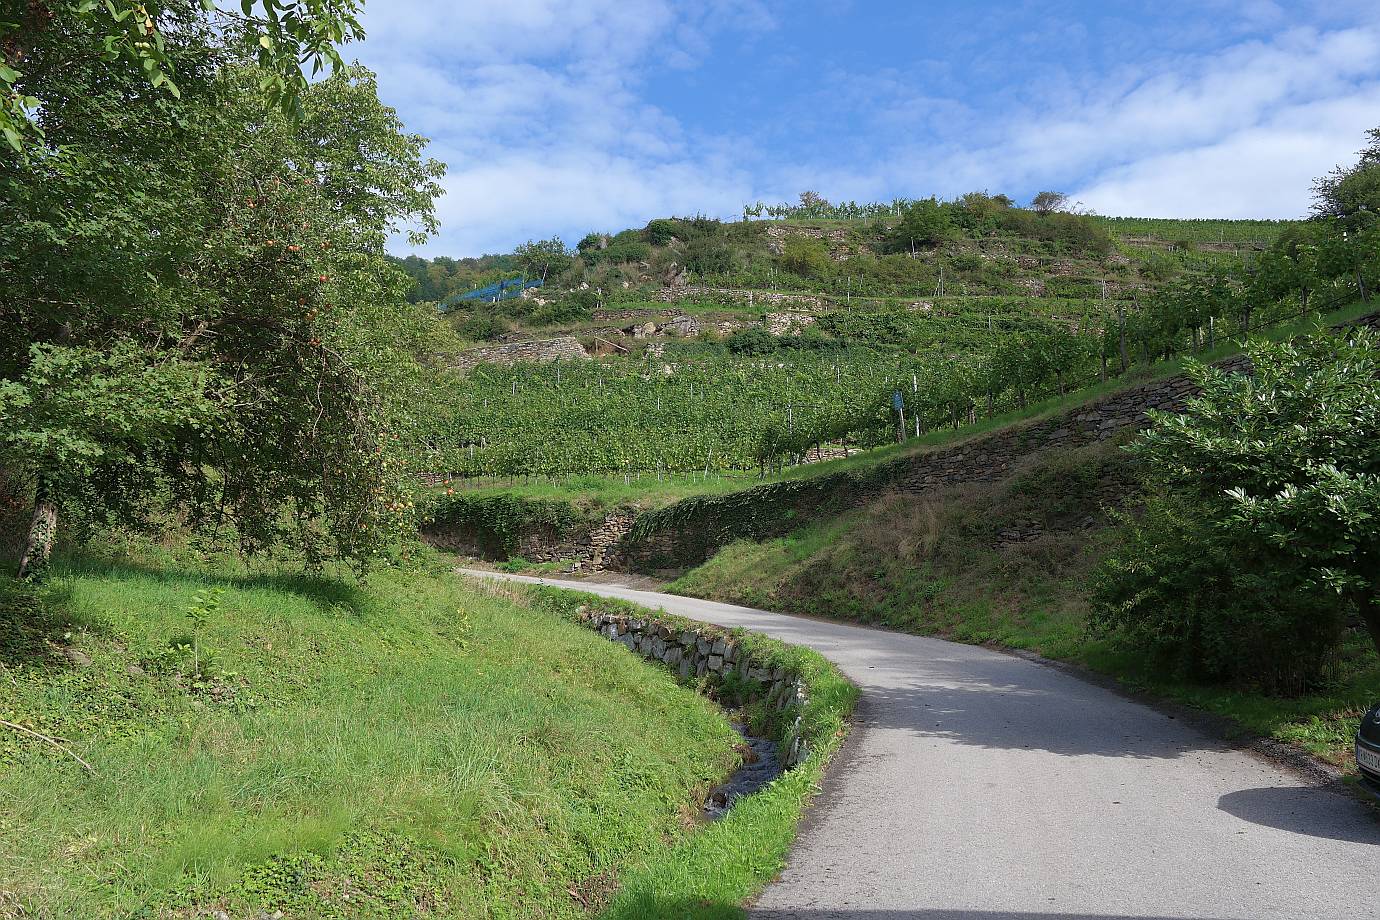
point(651, 906)
point(1295, 809)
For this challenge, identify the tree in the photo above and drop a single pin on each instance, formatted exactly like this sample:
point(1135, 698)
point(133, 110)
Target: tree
point(923, 223)
point(1291, 266)
point(544, 258)
point(1347, 202)
point(812, 204)
point(283, 36)
point(1262, 523)
point(1048, 202)
point(215, 266)
point(1349, 192)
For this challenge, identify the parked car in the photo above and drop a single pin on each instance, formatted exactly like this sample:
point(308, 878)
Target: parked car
point(1368, 748)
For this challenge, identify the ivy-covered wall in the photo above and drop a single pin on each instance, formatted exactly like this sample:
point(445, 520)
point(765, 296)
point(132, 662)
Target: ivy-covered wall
point(500, 526)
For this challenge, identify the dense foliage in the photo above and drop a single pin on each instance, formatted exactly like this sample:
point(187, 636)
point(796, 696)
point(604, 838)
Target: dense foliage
point(197, 312)
point(144, 39)
point(1261, 532)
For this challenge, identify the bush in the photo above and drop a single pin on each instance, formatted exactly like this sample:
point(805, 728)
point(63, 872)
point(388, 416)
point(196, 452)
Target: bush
point(660, 232)
point(481, 327)
point(925, 223)
point(1210, 606)
point(1261, 533)
point(708, 256)
point(806, 257)
point(754, 341)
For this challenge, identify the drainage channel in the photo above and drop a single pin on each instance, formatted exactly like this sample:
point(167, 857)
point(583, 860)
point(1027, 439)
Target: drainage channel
point(761, 765)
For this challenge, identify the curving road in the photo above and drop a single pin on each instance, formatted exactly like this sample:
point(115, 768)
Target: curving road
point(978, 785)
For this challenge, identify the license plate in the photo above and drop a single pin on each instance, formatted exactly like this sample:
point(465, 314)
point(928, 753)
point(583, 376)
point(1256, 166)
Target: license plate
point(1368, 759)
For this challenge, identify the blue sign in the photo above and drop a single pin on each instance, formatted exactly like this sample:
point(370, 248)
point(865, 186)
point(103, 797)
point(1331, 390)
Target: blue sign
point(896, 402)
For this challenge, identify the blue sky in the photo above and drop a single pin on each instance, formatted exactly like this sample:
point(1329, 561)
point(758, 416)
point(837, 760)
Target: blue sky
point(565, 117)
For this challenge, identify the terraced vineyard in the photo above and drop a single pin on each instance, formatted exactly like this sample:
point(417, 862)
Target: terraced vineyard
point(800, 333)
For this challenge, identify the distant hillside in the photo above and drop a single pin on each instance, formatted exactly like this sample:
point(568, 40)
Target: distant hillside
point(977, 246)
point(726, 347)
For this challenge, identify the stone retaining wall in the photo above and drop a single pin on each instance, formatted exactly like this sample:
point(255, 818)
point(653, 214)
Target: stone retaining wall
point(584, 548)
point(749, 298)
point(698, 652)
point(561, 347)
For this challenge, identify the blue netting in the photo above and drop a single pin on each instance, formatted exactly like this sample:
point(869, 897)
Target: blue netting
point(512, 287)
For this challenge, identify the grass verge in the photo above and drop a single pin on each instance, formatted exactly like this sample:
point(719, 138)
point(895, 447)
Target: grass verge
point(707, 875)
point(416, 744)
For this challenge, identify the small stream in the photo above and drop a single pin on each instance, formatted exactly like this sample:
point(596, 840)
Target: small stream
point(760, 766)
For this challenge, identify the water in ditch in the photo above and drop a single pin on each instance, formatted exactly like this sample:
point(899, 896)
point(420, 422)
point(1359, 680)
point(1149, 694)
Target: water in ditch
point(760, 766)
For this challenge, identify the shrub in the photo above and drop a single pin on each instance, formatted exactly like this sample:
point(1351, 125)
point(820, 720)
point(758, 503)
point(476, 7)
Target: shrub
point(707, 256)
point(1261, 532)
point(480, 327)
point(754, 341)
point(660, 232)
point(924, 223)
point(806, 257)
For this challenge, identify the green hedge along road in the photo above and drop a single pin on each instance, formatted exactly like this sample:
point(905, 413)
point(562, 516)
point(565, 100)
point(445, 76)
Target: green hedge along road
point(977, 784)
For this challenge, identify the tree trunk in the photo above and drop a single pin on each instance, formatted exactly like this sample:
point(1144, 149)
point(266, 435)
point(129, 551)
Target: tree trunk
point(42, 529)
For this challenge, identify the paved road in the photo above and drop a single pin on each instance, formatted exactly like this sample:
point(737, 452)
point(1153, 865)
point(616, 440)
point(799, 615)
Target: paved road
point(979, 785)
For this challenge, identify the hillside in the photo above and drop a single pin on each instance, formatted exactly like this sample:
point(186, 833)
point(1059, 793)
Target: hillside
point(693, 347)
point(991, 538)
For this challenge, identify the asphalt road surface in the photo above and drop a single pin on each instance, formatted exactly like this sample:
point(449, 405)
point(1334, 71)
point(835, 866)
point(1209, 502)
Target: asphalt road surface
point(977, 785)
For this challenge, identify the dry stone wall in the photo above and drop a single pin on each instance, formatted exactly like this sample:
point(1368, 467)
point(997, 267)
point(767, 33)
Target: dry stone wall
point(561, 347)
point(700, 652)
point(583, 548)
point(745, 297)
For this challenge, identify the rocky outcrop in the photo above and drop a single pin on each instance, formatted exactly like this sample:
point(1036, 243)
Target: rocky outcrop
point(788, 323)
point(836, 239)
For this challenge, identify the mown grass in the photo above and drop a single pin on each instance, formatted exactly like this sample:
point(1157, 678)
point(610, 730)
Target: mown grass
point(417, 744)
point(1008, 564)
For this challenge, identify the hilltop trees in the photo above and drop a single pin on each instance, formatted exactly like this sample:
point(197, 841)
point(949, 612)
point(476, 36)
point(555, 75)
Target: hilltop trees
point(924, 223)
point(1048, 202)
point(543, 258)
point(198, 312)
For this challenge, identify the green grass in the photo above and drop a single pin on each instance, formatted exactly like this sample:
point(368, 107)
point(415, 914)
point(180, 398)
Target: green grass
point(414, 744)
point(707, 875)
point(417, 742)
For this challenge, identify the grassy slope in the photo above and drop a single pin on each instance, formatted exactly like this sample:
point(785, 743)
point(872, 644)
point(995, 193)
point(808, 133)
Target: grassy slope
point(417, 743)
point(962, 564)
point(708, 874)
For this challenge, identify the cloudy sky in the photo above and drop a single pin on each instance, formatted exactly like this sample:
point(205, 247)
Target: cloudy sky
point(565, 116)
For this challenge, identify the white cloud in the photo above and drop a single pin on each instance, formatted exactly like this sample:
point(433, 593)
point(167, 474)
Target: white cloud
point(535, 107)
point(1265, 170)
point(1152, 127)
point(538, 107)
